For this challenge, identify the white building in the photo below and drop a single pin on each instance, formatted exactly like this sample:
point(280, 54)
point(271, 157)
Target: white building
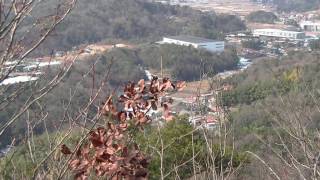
point(196, 42)
point(310, 26)
point(278, 33)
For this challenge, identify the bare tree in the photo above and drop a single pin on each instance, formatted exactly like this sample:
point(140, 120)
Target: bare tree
point(294, 150)
point(21, 33)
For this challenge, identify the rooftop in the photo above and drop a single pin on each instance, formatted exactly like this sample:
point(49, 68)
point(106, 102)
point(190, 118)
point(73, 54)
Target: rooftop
point(269, 26)
point(191, 39)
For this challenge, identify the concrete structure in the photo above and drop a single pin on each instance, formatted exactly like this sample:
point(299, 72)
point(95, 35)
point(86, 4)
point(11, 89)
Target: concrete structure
point(196, 42)
point(310, 26)
point(208, 122)
point(278, 33)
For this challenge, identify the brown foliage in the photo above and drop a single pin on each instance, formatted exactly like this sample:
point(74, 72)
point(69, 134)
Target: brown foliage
point(110, 152)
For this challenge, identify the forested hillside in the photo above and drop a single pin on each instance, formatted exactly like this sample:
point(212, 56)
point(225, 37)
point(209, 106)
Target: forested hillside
point(273, 103)
point(269, 77)
point(84, 79)
point(116, 20)
point(77, 87)
point(185, 63)
point(135, 20)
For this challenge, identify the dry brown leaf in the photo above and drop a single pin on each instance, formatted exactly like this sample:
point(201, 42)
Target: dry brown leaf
point(181, 85)
point(65, 150)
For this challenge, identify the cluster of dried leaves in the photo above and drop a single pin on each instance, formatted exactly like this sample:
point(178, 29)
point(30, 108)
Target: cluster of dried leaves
point(110, 152)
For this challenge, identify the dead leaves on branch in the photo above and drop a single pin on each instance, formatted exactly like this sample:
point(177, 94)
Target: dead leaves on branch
point(138, 99)
point(109, 151)
point(107, 155)
point(65, 150)
point(181, 85)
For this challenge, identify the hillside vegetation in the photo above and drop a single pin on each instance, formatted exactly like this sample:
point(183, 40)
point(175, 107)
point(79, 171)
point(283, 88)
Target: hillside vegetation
point(86, 76)
point(262, 17)
point(94, 21)
point(272, 101)
point(76, 89)
point(134, 20)
point(186, 63)
point(180, 151)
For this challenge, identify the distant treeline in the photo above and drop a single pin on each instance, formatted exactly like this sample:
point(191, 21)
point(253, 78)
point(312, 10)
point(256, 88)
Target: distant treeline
point(262, 17)
point(182, 62)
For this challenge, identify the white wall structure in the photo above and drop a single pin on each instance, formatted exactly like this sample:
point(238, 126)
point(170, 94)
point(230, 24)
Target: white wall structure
point(293, 35)
point(196, 42)
point(310, 26)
